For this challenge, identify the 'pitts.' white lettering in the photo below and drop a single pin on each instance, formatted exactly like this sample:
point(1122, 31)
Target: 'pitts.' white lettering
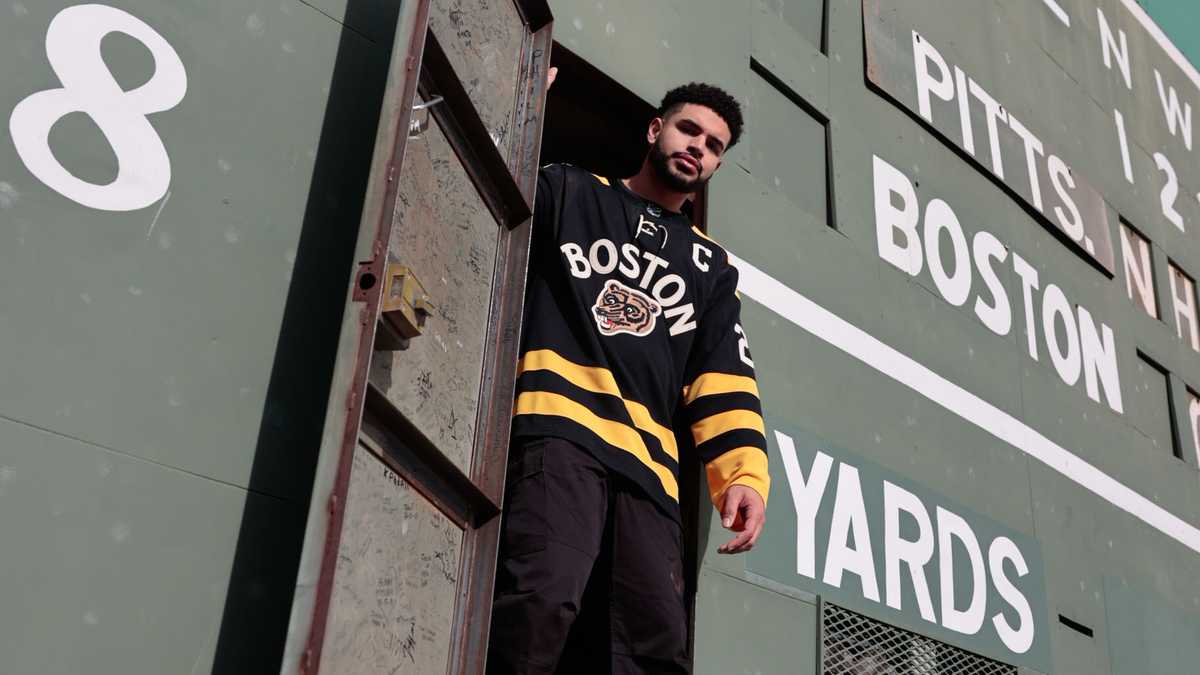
point(640, 267)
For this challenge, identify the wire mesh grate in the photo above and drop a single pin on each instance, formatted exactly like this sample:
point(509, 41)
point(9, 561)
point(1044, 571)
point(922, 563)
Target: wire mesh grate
point(857, 645)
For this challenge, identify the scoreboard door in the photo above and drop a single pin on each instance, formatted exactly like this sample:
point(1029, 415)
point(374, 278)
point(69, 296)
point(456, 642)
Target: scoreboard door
point(400, 549)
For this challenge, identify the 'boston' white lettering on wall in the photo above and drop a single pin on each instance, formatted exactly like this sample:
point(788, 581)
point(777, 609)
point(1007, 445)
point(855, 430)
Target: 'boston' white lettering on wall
point(1088, 349)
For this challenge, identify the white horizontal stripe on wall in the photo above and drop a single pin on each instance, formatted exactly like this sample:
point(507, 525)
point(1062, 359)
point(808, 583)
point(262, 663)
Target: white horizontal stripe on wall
point(856, 342)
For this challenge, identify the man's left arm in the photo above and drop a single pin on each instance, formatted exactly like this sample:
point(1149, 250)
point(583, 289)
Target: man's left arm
point(721, 405)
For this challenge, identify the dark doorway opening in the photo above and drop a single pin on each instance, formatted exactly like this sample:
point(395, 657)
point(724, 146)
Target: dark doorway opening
point(596, 123)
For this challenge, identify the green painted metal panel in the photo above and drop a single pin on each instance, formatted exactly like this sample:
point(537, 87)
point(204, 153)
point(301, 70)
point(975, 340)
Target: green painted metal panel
point(805, 17)
point(684, 39)
point(1053, 78)
point(769, 114)
point(1152, 415)
point(789, 56)
point(141, 342)
point(116, 564)
point(151, 331)
point(735, 619)
point(160, 471)
point(1149, 632)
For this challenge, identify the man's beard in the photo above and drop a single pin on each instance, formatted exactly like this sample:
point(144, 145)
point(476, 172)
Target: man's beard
point(660, 162)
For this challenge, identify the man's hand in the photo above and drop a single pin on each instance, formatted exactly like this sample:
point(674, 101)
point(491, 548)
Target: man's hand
point(550, 75)
point(743, 511)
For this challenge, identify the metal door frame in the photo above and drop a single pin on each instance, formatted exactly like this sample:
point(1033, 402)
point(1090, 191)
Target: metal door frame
point(507, 186)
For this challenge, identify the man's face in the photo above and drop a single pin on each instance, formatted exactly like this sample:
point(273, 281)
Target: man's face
point(686, 147)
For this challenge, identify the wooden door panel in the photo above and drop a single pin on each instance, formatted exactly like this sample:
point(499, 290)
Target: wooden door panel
point(414, 511)
point(393, 593)
point(483, 39)
point(445, 233)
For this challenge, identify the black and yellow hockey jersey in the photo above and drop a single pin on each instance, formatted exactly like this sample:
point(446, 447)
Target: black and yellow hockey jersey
point(631, 317)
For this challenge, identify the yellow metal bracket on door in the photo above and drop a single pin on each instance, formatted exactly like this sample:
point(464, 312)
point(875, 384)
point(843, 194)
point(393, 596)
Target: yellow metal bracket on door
point(405, 302)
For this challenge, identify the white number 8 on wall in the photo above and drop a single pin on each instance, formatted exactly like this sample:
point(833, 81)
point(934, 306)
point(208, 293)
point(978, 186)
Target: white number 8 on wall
point(73, 48)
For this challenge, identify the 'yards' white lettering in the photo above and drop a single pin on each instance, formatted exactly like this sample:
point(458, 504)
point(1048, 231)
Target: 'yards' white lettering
point(915, 553)
point(806, 497)
point(956, 541)
point(951, 527)
point(1018, 639)
point(850, 522)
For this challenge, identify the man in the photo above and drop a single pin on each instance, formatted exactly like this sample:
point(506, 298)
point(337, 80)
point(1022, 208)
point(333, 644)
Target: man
point(632, 321)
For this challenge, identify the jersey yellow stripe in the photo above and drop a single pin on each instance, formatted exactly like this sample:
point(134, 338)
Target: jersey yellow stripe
point(718, 383)
point(600, 381)
point(702, 234)
point(602, 179)
point(739, 466)
point(714, 425)
point(611, 432)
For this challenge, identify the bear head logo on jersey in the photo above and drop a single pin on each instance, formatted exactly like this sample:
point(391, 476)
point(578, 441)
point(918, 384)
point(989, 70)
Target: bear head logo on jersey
point(621, 309)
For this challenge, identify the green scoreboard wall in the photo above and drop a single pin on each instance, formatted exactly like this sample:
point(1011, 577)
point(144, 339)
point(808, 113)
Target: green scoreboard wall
point(968, 234)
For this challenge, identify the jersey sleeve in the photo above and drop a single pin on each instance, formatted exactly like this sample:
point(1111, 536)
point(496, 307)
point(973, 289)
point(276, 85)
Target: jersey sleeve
point(720, 397)
point(547, 201)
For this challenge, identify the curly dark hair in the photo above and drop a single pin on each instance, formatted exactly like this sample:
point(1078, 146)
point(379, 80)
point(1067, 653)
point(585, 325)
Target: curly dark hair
point(709, 96)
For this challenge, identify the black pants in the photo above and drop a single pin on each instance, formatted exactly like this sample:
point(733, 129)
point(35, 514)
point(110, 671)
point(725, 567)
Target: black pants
point(589, 578)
